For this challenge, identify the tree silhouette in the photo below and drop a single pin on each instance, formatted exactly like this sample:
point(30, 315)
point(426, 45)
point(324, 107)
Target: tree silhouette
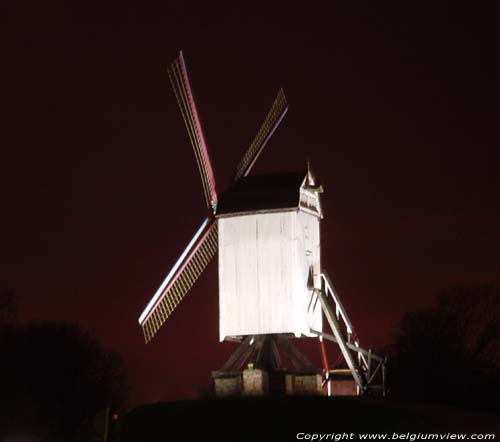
point(450, 353)
point(54, 379)
point(8, 305)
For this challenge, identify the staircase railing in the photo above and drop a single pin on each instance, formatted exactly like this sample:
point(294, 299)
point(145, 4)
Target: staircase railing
point(346, 338)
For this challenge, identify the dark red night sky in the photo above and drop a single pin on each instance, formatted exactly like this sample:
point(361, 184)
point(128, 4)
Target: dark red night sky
point(395, 106)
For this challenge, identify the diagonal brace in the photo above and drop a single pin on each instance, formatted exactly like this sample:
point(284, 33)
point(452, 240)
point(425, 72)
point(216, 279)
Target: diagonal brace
point(334, 325)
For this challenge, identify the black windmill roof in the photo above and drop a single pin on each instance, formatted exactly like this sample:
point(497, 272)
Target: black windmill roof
point(262, 193)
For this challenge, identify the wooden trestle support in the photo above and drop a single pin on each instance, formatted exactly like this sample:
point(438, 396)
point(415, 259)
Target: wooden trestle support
point(256, 367)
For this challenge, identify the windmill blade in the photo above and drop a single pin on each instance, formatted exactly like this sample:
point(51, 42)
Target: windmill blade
point(273, 119)
point(177, 72)
point(190, 265)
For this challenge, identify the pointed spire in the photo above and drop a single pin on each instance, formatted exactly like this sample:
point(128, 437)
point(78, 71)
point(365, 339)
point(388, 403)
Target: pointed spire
point(311, 180)
point(310, 177)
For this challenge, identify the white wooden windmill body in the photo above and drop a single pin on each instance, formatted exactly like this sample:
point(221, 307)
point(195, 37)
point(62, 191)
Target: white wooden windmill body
point(267, 231)
point(269, 257)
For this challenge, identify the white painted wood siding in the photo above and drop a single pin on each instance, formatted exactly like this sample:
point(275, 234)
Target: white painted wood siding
point(309, 264)
point(264, 262)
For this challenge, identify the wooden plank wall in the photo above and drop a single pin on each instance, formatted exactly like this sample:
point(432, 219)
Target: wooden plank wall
point(264, 262)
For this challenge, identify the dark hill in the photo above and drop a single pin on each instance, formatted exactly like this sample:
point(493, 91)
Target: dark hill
point(282, 418)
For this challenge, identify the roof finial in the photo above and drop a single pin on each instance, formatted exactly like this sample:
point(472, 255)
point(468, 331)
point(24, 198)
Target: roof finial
point(310, 176)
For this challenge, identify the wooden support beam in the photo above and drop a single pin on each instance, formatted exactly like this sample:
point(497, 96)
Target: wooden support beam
point(377, 368)
point(240, 351)
point(297, 358)
point(349, 345)
point(276, 355)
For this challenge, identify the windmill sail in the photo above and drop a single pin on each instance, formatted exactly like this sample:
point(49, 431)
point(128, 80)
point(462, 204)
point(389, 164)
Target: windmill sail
point(180, 82)
point(181, 278)
point(271, 122)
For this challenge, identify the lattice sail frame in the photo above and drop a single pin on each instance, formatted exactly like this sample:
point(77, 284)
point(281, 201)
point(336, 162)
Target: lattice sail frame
point(203, 246)
point(181, 282)
point(277, 112)
point(177, 72)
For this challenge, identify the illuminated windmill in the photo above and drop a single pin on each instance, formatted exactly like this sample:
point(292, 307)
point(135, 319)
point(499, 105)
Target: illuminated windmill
point(271, 287)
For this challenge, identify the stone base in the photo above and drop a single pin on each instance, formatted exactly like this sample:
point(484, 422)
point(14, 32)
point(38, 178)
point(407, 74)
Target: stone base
point(343, 387)
point(304, 384)
point(228, 385)
point(255, 382)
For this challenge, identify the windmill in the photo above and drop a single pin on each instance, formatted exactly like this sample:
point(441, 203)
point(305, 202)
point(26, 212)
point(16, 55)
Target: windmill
point(266, 229)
